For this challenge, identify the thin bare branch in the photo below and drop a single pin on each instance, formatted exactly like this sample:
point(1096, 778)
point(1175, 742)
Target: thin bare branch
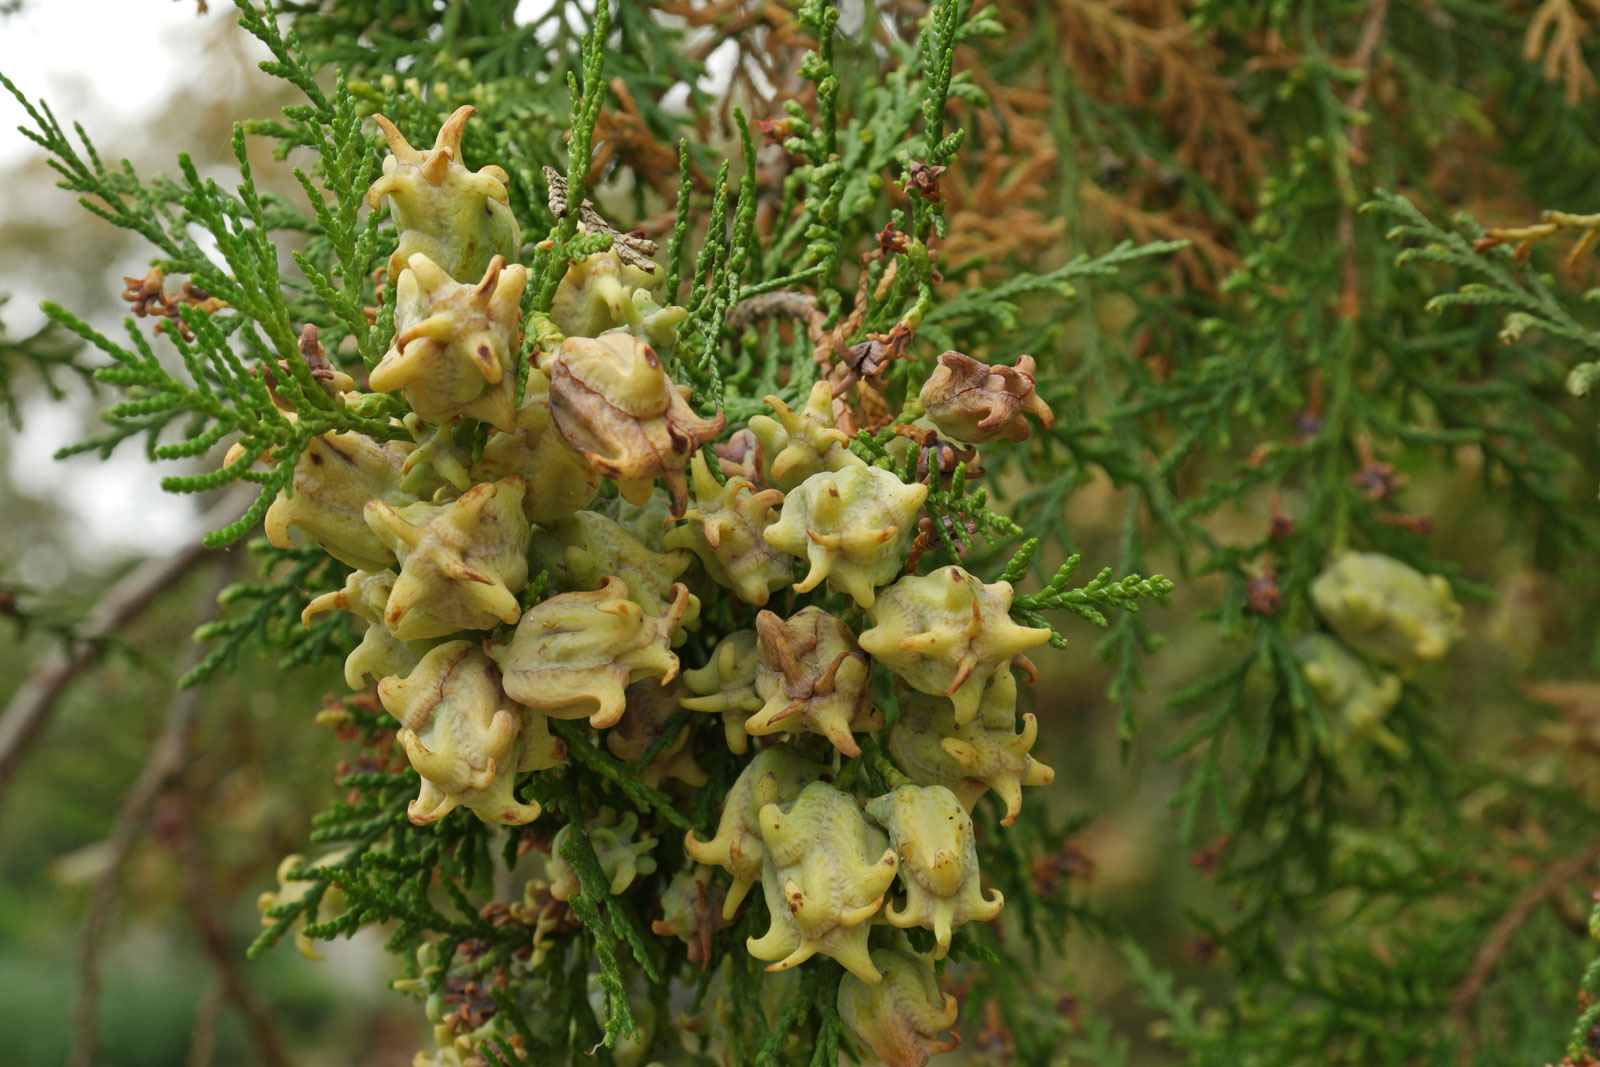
point(163, 768)
point(31, 706)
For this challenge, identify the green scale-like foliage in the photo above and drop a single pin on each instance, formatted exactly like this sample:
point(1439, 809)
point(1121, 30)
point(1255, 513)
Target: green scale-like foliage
point(1284, 388)
point(238, 370)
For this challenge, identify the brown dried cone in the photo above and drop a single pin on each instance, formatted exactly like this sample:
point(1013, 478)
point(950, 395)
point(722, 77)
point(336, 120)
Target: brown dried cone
point(933, 835)
point(461, 563)
point(615, 405)
point(813, 677)
point(740, 456)
point(333, 382)
point(574, 654)
point(947, 633)
point(333, 480)
point(455, 344)
point(691, 910)
point(727, 686)
point(644, 721)
point(560, 482)
point(775, 776)
point(825, 874)
point(973, 402)
point(968, 760)
point(900, 1018)
point(458, 218)
point(465, 738)
point(724, 530)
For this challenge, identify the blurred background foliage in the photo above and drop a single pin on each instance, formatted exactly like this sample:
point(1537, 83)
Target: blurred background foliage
point(1306, 902)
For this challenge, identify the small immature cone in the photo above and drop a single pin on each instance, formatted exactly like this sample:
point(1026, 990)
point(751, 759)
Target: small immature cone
point(775, 776)
point(800, 444)
point(560, 482)
point(458, 218)
point(461, 563)
point(1359, 698)
point(727, 686)
point(974, 758)
point(947, 633)
point(573, 655)
point(899, 1019)
point(618, 409)
point(933, 836)
point(438, 465)
point(460, 733)
point(380, 653)
point(292, 891)
point(596, 294)
point(724, 529)
point(455, 344)
point(825, 874)
point(853, 526)
point(622, 859)
point(691, 910)
point(974, 403)
point(643, 723)
point(333, 480)
point(1386, 610)
point(813, 677)
point(584, 549)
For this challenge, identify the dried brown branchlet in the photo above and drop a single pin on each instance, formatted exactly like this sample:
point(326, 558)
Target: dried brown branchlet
point(632, 249)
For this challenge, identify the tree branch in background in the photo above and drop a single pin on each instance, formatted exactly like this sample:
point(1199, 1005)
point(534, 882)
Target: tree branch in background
point(162, 773)
point(32, 704)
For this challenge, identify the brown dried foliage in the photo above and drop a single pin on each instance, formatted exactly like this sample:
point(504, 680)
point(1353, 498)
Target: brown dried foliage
point(1555, 41)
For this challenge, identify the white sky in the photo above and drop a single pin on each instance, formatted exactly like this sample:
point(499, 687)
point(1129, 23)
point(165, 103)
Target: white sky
point(102, 60)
